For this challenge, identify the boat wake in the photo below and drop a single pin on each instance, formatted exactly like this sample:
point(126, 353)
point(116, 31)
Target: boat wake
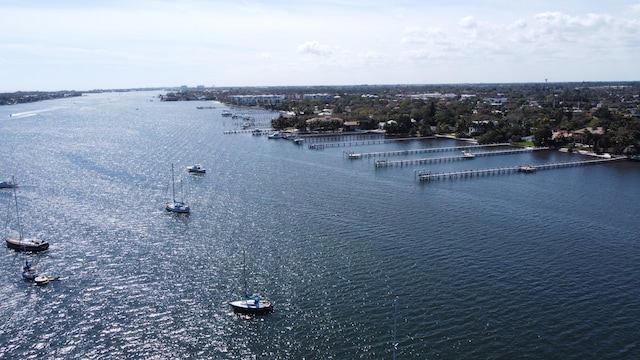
point(32, 113)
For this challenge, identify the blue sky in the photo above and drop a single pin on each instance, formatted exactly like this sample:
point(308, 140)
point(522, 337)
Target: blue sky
point(83, 45)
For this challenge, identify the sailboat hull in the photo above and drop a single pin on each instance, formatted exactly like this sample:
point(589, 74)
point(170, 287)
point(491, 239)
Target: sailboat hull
point(249, 307)
point(26, 244)
point(178, 207)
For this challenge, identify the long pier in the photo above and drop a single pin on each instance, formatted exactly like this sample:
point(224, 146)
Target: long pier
point(424, 175)
point(389, 163)
point(352, 155)
point(247, 131)
point(375, 139)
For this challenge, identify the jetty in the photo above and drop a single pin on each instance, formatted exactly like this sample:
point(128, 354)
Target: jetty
point(425, 175)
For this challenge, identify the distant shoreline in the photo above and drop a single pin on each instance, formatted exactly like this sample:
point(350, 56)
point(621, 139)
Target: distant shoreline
point(22, 97)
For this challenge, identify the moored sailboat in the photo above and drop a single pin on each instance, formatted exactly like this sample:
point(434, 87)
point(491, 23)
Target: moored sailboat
point(176, 206)
point(29, 272)
point(21, 243)
point(251, 304)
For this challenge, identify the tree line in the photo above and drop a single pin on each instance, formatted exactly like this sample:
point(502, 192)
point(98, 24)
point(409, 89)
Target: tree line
point(537, 110)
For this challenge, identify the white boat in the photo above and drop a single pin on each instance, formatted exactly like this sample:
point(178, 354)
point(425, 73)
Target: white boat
point(467, 155)
point(226, 113)
point(274, 135)
point(176, 206)
point(21, 243)
point(29, 272)
point(197, 169)
point(527, 168)
point(44, 280)
point(251, 304)
point(8, 184)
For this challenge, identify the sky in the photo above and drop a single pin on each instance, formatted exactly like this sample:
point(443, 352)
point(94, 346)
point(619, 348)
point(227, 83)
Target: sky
point(100, 44)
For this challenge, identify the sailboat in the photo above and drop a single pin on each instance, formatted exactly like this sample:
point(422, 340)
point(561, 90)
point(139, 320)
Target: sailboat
point(251, 304)
point(29, 272)
point(176, 206)
point(21, 243)
point(8, 184)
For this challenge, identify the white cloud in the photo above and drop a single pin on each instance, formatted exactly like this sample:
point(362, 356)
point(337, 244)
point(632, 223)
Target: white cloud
point(158, 42)
point(314, 48)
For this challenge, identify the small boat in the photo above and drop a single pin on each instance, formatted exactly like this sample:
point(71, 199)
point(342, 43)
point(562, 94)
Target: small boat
point(274, 135)
point(527, 168)
point(467, 155)
point(253, 305)
point(176, 206)
point(8, 184)
point(226, 113)
point(21, 243)
point(196, 169)
point(29, 272)
point(353, 156)
point(44, 280)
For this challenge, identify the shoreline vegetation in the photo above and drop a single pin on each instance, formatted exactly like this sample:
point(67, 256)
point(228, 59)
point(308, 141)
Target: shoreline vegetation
point(21, 97)
point(602, 117)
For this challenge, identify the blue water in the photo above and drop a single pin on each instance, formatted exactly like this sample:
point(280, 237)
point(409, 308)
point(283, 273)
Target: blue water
point(541, 265)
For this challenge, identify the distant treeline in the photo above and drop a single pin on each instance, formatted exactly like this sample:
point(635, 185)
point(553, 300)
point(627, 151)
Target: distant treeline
point(33, 96)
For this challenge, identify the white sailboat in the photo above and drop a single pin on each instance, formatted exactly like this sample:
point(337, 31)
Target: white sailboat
point(251, 304)
point(176, 206)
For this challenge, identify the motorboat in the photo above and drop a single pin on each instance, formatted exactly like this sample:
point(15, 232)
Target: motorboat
point(527, 168)
point(197, 169)
point(467, 155)
point(274, 135)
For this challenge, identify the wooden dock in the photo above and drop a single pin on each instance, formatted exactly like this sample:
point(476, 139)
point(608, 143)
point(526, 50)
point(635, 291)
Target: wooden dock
point(390, 163)
point(359, 140)
point(425, 176)
point(419, 151)
point(250, 131)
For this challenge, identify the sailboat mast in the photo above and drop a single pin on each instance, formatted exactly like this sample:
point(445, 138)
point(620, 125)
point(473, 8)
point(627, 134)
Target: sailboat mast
point(244, 271)
point(395, 326)
point(15, 196)
point(173, 184)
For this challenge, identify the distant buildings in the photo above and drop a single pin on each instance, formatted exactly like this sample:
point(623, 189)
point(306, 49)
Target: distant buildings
point(256, 100)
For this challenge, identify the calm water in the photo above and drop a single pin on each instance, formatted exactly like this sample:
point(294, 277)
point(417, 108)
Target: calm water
point(542, 265)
